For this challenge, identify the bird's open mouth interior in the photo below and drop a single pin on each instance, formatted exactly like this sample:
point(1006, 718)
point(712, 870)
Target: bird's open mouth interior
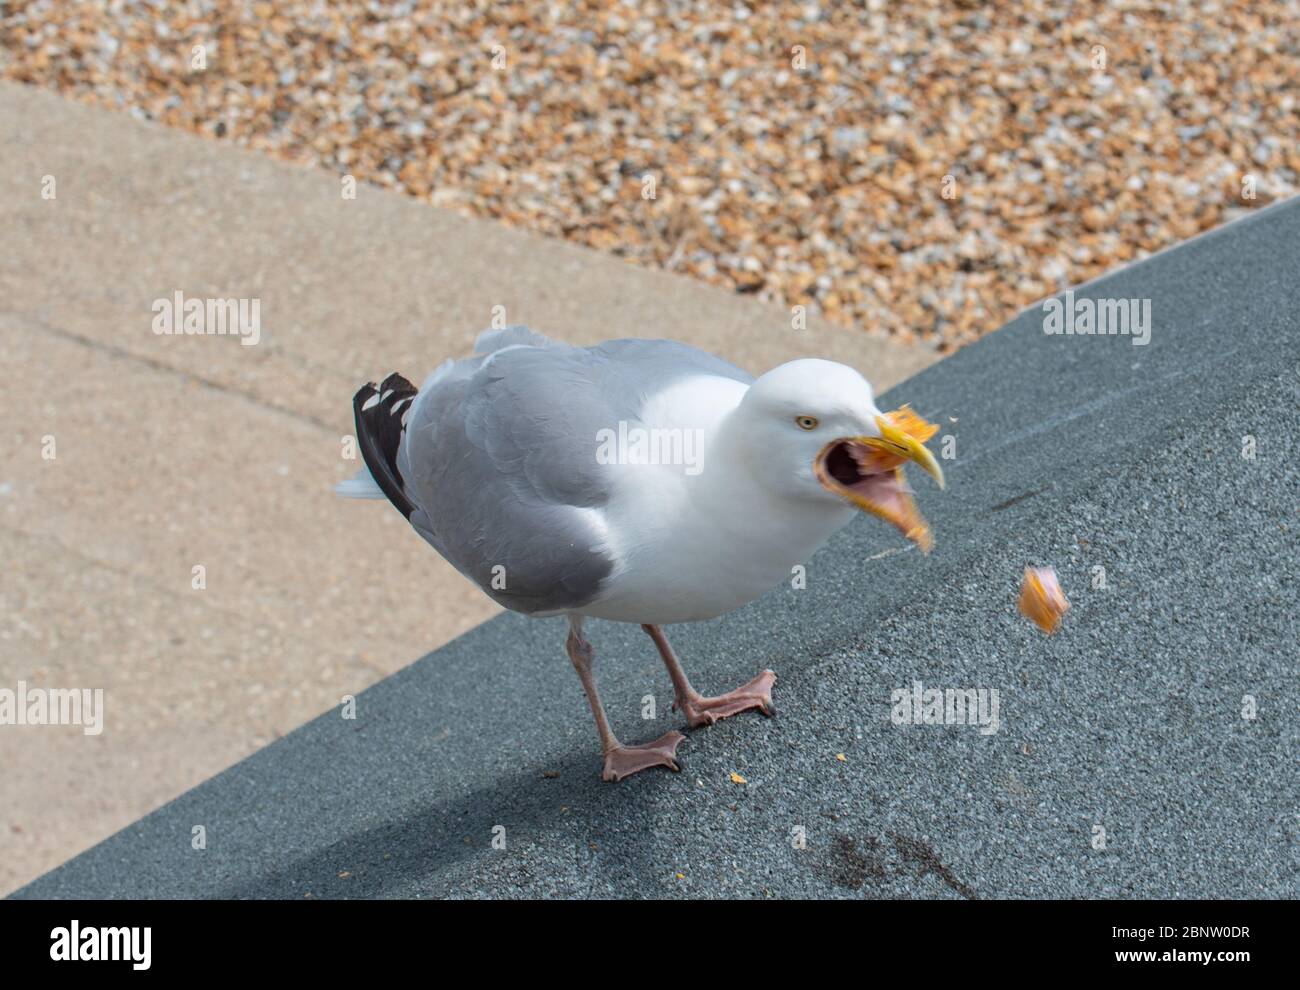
point(854, 468)
point(873, 480)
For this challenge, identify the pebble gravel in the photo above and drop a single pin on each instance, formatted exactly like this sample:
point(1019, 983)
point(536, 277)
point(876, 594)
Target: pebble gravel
point(921, 169)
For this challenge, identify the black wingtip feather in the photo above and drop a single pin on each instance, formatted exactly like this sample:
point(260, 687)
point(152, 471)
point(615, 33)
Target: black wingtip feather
point(379, 433)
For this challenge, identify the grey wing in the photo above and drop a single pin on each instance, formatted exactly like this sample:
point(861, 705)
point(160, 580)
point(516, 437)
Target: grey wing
point(499, 456)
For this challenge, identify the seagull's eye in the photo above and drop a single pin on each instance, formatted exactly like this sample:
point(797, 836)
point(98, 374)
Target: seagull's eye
point(806, 422)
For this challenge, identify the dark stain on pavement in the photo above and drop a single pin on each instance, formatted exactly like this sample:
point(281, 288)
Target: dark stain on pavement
point(1019, 498)
point(850, 866)
point(921, 856)
point(853, 862)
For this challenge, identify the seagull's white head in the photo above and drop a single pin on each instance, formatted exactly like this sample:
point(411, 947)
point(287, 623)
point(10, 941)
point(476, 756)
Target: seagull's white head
point(812, 430)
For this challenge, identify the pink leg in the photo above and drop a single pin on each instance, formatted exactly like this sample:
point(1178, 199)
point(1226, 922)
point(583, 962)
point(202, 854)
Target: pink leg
point(700, 710)
point(620, 761)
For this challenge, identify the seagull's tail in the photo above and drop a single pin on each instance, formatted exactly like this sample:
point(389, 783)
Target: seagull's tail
point(380, 412)
point(360, 485)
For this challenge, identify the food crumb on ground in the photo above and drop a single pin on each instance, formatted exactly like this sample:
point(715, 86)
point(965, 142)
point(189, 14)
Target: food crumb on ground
point(1041, 598)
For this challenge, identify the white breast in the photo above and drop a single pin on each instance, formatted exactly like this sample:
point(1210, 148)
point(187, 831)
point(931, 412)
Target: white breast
point(698, 538)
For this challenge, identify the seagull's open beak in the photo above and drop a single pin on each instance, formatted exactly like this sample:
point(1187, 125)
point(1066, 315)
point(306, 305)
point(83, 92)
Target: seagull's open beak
point(868, 471)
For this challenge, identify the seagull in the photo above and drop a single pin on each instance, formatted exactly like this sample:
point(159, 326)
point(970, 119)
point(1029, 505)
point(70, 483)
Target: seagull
point(641, 481)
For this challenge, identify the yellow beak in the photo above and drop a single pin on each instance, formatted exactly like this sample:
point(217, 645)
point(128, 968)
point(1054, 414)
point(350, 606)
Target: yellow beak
point(906, 442)
point(868, 471)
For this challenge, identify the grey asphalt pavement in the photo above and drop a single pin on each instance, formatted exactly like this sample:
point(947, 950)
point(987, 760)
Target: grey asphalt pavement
point(1124, 765)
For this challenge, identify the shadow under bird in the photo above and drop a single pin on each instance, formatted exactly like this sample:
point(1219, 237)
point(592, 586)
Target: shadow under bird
point(637, 481)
